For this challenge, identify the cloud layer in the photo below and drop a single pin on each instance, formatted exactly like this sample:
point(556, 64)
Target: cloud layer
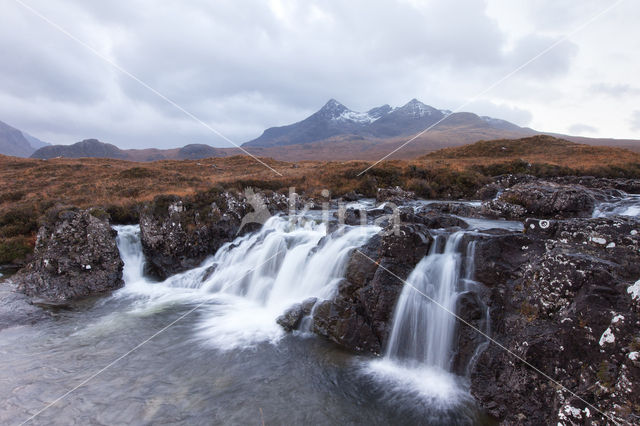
point(242, 66)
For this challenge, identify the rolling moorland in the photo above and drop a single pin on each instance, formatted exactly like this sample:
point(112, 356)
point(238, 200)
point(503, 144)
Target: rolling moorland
point(32, 187)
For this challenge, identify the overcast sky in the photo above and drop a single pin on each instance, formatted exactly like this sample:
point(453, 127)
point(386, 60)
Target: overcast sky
point(242, 66)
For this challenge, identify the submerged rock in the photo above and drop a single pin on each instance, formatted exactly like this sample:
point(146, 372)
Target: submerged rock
point(75, 256)
point(290, 320)
point(16, 308)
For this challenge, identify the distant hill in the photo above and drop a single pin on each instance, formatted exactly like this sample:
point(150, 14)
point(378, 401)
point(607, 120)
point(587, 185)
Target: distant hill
point(535, 149)
point(17, 143)
point(93, 148)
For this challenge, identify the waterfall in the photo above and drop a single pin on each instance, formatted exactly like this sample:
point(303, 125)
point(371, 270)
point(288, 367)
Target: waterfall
point(423, 330)
point(420, 349)
point(252, 280)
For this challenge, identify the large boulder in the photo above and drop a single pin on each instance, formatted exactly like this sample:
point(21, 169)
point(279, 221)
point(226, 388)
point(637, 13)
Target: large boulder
point(178, 233)
point(75, 256)
point(542, 199)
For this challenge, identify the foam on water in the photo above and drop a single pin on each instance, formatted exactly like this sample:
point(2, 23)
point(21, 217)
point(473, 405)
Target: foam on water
point(250, 281)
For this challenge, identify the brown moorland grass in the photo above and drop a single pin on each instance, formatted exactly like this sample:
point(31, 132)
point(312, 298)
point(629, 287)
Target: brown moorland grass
point(31, 187)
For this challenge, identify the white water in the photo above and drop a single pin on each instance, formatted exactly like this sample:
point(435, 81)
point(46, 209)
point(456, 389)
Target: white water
point(627, 206)
point(420, 349)
point(250, 281)
point(423, 324)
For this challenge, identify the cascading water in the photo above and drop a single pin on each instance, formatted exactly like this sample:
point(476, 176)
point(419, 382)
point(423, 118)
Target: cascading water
point(420, 349)
point(628, 205)
point(254, 279)
point(423, 328)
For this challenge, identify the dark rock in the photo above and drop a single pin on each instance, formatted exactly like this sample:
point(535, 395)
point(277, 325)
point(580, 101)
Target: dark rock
point(543, 199)
point(453, 208)
point(469, 341)
point(565, 305)
point(499, 256)
point(179, 234)
point(488, 192)
point(75, 256)
point(351, 196)
point(358, 317)
point(436, 220)
point(16, 308)
point(351, 216)
point(396, 195)
point(291, 318)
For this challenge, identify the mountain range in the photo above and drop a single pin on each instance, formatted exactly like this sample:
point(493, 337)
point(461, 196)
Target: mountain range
point(334, 132)
point(335, 119)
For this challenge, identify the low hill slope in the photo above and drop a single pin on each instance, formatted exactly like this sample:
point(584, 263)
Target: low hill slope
point(537, 149)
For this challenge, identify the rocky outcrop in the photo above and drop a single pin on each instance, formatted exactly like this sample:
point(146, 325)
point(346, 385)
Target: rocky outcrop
point(396, 195)
point(178, 233)
point(502, 182)
point(75, 256)
point(562, 303)
point(542, 199)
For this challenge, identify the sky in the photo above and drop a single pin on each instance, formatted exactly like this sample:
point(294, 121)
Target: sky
point(241, 66)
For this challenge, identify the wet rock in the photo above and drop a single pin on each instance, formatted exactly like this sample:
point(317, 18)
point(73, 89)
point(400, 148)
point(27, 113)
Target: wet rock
point(75, 256)
point(359, 316)
point(352, 196)
point(178, 233)
point(543, 199)
point(488, 192)
point(453, 208)
point(436, 220)
point(16, 308)
point(468, 341)
point(291, 318)
point(563, 304)
point(500, 256)
point(500, 209)
point(351, 216)
point(396, 195)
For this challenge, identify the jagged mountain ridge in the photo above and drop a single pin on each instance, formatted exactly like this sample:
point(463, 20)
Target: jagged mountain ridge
point(335, 120)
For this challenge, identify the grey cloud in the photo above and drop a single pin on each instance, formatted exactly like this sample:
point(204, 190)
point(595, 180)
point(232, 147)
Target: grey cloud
point(244, 66)
point(513, 114)
point(581, 128)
